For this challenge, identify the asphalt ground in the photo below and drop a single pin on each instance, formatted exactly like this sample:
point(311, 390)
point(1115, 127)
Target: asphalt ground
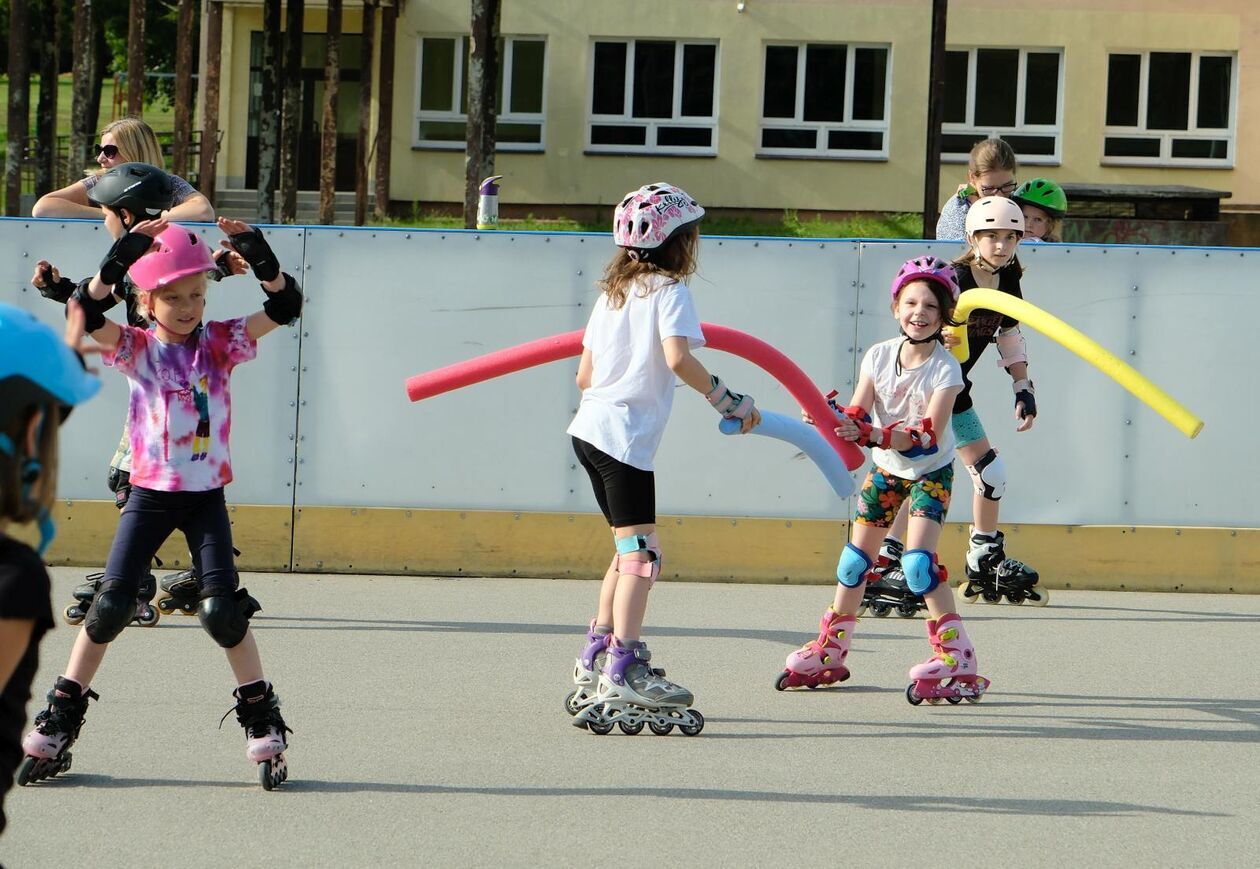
point(1122, 729)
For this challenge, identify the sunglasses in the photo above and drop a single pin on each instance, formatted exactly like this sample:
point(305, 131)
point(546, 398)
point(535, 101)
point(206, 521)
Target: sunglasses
point(110, 151)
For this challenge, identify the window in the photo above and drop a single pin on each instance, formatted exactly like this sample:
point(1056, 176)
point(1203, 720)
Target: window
point(825, 100)
point(1011, 93)
point(653, 94)
point(1170, 108)
point(442, 95)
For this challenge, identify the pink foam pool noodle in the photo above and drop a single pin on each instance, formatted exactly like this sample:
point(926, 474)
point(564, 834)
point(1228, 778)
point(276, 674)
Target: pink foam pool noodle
point(569, 344)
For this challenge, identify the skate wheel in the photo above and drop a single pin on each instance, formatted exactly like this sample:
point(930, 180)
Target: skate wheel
point(570, 703)
point(954, 701)
point(599, 728)
point(913, 698)
point(989, 597)
point(881, 609)
point(861, 611)
point(73, 615)
point(165, 605)
point(264, 775)
point(1038, 597)
point(780, 682)
point(694, 728)
point(975, 699)
point(26, 770)
point(631, 729)
point(968, 591)
point(147, 616)
point(664, 729)
point(908, 611)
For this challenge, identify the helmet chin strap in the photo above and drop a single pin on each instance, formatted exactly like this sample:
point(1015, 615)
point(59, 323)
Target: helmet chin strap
point(983, 264)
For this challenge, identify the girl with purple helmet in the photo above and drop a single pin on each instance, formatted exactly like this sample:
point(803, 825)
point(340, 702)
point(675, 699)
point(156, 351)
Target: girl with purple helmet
point(901, 409)
point(180, 415)
point(639, 338)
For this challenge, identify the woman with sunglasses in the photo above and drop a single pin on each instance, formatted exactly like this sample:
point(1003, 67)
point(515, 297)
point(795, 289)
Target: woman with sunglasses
point(991, 168)
point(127, 140)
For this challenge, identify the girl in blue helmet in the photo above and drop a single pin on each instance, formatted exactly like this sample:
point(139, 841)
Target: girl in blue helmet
point(40, 380)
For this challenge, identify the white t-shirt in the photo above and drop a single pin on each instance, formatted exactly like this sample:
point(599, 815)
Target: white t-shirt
point(624, 411)
point(903, 398)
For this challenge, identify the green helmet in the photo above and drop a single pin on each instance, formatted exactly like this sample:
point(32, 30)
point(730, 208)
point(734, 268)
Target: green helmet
point(1044, 194)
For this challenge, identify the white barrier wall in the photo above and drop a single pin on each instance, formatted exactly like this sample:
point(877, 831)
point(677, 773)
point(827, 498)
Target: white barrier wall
point(322, 418)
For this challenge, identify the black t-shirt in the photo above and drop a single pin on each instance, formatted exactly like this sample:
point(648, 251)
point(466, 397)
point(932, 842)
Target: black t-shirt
point(983, 325)
point(24, 594)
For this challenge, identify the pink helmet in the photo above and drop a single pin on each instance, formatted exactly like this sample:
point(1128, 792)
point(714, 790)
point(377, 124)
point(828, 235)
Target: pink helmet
point(927, 268)
point(179, 252)
point(994, 212)
point(652, 215)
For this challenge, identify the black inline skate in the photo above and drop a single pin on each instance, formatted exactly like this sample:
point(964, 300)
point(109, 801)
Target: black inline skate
point(146, 615)
point(179, 593)
point(992, 576)
point(885, 589)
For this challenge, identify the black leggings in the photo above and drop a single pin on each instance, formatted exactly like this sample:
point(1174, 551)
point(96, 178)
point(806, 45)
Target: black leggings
point(150, 517)
point(626, 495)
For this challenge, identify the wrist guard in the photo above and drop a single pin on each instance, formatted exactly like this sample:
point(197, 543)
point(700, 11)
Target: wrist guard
point(123, 255)
point(922, 439)
point(58, 291)
point(253, 247)
point(868, 435)
point(93, 309)
point(1024, 395)
point(284, 305)
point(222, 265)
point(731, 405)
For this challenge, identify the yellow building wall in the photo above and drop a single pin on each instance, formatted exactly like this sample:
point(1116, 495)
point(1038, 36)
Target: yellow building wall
point(736, 177)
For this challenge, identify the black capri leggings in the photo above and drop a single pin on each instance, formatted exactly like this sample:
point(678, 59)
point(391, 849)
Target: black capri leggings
point(149, 518)
point(626, 495)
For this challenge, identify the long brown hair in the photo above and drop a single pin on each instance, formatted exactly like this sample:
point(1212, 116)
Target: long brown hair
point(990, 155)
point(677, 259)
point(12, 505)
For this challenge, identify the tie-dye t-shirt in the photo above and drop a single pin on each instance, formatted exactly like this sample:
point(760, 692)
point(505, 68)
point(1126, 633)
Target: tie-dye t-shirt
point(181, 404)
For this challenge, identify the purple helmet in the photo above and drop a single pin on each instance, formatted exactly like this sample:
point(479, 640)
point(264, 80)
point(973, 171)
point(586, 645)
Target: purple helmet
point(926, 268)
point(650, 216)
point(179, 252)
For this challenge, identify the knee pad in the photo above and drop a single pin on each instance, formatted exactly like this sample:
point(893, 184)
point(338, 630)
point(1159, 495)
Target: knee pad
point(225, 617)
point(639, 543)
point(110, 612)
point(988, 475)
point(851, 571)
point(922, 572)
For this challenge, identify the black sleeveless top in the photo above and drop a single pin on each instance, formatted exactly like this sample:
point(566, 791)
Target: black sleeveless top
point(983, 325)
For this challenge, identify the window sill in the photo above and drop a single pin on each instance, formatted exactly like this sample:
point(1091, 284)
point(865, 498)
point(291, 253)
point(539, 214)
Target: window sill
point(650, 152)
point(1156, 163)
point(460, 147)
point(833, 158)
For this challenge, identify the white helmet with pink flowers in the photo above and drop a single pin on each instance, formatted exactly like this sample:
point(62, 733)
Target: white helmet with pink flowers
point(649, 217)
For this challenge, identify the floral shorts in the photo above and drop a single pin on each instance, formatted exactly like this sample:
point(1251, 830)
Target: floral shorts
point(882, 494)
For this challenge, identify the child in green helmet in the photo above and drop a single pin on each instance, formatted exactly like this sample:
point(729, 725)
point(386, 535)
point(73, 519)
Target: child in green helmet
point(1044, 205)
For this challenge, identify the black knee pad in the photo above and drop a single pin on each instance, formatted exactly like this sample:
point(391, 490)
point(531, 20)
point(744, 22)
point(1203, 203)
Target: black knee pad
point(226, 616)
point(110, 612)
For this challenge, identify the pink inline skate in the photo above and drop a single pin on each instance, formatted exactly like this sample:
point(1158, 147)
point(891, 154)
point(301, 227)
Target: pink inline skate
point(950, 673)
point(47, 747)
point(258, 711)
point(820, 661)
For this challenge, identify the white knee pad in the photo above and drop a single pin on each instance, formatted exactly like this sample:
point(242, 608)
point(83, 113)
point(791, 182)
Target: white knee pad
point(988, 475)
point(633, 566)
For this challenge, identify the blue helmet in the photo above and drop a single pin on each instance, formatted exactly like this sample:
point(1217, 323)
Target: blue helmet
point(36, 367)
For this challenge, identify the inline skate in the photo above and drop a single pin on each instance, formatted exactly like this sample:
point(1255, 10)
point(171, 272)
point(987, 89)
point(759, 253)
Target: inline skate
point(179, 593)
point(886, 589)
point(47, 746)
point(992, 576)
point(146, 615)
point(587, 666)
point(950, 674)
point(258, 711)
point(631, 694)
point(820, 661)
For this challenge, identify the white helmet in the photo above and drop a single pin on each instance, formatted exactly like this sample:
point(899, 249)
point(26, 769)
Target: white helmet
point(650, 216)
point(994, 212)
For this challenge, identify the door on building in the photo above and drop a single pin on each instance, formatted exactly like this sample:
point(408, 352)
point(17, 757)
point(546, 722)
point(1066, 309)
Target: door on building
point(314, 51)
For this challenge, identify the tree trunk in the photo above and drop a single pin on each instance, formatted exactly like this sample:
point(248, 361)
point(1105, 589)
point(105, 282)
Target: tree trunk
point(385, 105)
point(291, 110)
point(269, 115)
point(328, 122)
point(210, 100)
point(80, 91)
point(46, 112)
point(362, 154)
point(183, 88)
point(483, 74)
point(19, 105)
point(96, 75)
point(135, 59)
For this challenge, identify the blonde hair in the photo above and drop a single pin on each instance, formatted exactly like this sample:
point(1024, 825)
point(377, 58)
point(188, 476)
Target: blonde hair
point(1052, 234)
point(136, 141)
point(991, 155)
point(676, 259)
point(12, 504)
point(144, 298)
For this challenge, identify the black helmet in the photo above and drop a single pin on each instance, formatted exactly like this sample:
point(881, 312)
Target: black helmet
point(144, 190)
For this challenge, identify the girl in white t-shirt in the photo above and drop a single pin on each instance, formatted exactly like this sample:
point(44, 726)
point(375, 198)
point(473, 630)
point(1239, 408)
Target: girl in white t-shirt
point(639, 338)
point(901, 409)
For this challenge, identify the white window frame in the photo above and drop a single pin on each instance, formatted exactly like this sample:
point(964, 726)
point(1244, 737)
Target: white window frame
point(1165, 137)
point(822, 128)
point(969, 128)
point(677, 119)
point(457, 81)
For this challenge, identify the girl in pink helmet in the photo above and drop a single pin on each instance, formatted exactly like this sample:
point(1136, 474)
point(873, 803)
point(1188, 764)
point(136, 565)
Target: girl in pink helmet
point(638, 341)
point(901, 409)
point(180, 415)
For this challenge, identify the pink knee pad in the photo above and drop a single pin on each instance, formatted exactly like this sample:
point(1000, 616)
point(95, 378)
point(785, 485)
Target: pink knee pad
point(651, 568)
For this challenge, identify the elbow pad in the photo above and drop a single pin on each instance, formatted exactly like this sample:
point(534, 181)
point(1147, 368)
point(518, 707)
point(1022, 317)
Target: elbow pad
point(93, 309)
point(284, 305)
point(1011, 347)
point(123, 255)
